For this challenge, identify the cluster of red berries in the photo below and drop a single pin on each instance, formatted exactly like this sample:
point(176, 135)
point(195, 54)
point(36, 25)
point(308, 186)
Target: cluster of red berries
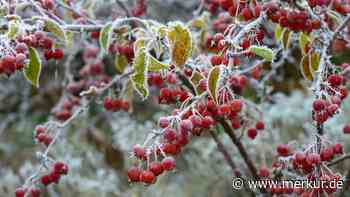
point(238, 83)
point(155, 168)
point(66, 110)
point(115, 104)
point(126, 50)
point(307, 161)
point(93, 69)
point(58, 169)
point(41, 136)
point(140, 9)
point(342, 7)
point(172, 95)
point(29, 192)
point(293, 20)
point(235, 8)
point(253, 131)
point(10, 63)
point(156, 79)
point(40, 40)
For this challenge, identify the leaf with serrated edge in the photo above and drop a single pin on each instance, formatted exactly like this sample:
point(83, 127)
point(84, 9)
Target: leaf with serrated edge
point(154, 65)
point(262, 51)
point(105, 36)
point(181, 44)
point(53, 27)
point(304, 40)
point(213, 79)
point(305, 67)
point(33, 69)
point(139, 77)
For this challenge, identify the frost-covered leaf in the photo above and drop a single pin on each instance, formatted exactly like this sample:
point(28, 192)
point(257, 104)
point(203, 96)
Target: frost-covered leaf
point(180, 41)
point(13, 29)
point(314, 62)
point(213, 79)
point(33, 69)
point(70, 39)
point(278, 32)
point(154, 65)
point(120, 63)
point(304, 41)
point(286, 38)
point(139, 78)
point(106, 36)
point(305, 67)
point(262, 51)
point(53, 27)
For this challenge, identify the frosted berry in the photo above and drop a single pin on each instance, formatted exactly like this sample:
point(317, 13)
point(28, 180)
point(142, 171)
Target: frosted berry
point(168, 163)
point(147, 176)
point(134, 174)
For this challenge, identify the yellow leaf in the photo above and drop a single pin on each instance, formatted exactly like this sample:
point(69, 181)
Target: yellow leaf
point(180, 41)
point(213, 79)
point(305, 67)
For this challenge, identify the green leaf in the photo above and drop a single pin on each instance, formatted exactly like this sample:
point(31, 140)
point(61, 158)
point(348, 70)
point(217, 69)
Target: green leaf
point(213, 79)
point(341, 58)
point(154, 65)
point(139, 78)
point(120, 63)
point(33, 69)
point(180, 41)
point(262, 51)
point(278, 32)
point(314, 62)
point(106, 36)
point(53, 27)
point(13, 29)
point(70, 39)
point(304, 41)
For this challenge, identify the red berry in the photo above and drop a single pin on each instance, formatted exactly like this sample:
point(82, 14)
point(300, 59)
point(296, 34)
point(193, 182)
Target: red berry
point(335, 80)
point(34, 192)
point(55, 177)
point(283, 150)
point(164, 122)
point(246, 14)
point(216, 60)
point(252, 133)
point(46, 180)
point(139, 151)
point(318, 104)
point(134, 174)
point(299, 157)
point(313, 159)
point(147, 177)
point(186, 125)
point(20, 192)
point(264, 172)
point(60, 168)
point(224, 110)
point(95, 34)
point(236, 105)
point(207, 121)
point(338, 149)
point(156, 167)
point(346, 129)
point(57, 54)
point(107, 103)
point(260, 125)
point(170, 134)
point(196, 120)
point(168, 163)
